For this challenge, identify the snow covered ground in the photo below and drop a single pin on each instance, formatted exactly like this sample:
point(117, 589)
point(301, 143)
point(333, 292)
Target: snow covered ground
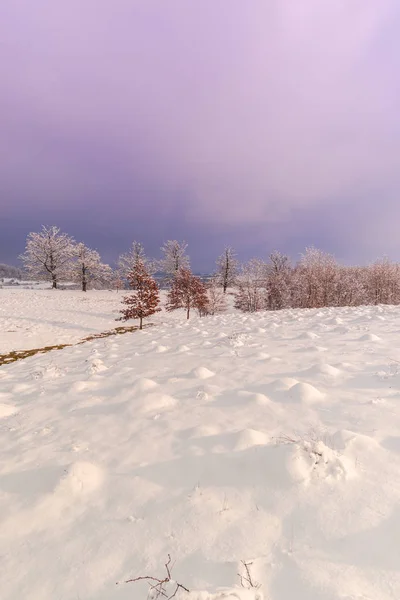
point(269, 439)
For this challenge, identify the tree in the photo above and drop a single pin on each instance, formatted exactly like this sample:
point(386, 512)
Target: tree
point(250, 296)
point(127, 261)
point(187, 291)
point(146, 297)
point(216, 301)
point(87, 268)
point(10, 272)
point(48, 255)
point(227, 268)
point(316, 277)
point(175, 258)
point(278, 283)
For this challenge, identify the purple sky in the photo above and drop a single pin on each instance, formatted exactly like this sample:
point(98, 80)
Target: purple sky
point(260, 123)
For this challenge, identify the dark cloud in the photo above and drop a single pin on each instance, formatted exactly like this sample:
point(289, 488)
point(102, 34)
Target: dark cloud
point(261, 124)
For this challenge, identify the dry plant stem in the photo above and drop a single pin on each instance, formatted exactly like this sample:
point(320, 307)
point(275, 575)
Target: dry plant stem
point(158, 585)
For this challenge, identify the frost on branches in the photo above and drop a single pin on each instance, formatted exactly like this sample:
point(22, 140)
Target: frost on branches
point(87, 268)
point(48, 255)
point(250, 296)
point(146, 297)
point(175, 258)
point(187, 291)
point(216, 301)
point(227, 268)
point(127, 261)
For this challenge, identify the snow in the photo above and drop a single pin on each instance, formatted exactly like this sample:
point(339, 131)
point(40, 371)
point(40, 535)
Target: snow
point(223, 441)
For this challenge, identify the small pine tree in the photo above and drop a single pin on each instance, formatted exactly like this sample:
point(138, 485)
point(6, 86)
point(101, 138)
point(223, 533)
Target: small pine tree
point(144, 302)
point(187, 291)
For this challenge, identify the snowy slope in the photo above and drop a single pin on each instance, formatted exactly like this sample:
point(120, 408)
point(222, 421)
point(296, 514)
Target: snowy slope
point(272, 439)
point(39, 317)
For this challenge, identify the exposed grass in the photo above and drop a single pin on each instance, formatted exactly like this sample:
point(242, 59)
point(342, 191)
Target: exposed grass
point(10, 357)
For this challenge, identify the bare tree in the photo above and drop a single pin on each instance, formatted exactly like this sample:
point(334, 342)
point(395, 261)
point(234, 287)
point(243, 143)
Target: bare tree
point(87, 268)
point(216, 300)
point(127, 261)
point(383, 282)
point(250, 296)
point(315, 279)
point(48, 255)
point(146, 297)
point(278, 281)
point(174, 259)
point(227, 268)
point(187, 291)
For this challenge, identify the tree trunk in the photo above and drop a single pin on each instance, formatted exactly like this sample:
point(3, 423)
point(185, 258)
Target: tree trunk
point(84, 285)
point(84, 280)
point(54, 280)
point(141, 323)
point(187, 312)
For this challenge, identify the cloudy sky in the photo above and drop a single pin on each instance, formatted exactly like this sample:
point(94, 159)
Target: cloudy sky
point(259, 123)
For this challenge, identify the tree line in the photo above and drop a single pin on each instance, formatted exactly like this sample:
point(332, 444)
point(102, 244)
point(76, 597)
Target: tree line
point(315, 281)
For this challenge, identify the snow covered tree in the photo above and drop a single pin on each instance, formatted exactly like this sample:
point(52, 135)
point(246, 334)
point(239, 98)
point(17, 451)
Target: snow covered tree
point(250, 296)
point(187, 291)
point(146, 297)
point(10, 272)
point(315, 279)
point(216, 301)
point(227, 268)
point(383, 282)
point(87, 268)
point(48, 255)
point(127, 261)
point(174, 259)
point(278, 281)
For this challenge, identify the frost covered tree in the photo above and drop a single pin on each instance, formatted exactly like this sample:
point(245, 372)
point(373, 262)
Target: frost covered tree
point(87, 268)
point(10, 272)
point(146, 297)
point(216, 300)
point(383, 282)
point(187, 291)
point(227, 268)
point(278, 281)
point(174, 259)
point(48, 255)
point(250, 296)
point(127, 261)
point(315, 279)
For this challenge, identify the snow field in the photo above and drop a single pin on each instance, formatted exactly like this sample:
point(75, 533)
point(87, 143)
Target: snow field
point(271, 439)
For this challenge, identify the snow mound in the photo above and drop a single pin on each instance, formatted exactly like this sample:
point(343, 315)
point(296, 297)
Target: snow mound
point(159, 402)
point(249, 438)
point(183, 348)
point(314, 460)
point(308, 335)
point(283, 383)
point(144, 385)
point(6, 410)
point(82, 478)
point(228, 594)
point(263, 356)
point(161, 349)
point(324, 370)
point(96, 366)
point(202, 373)
point(305, 392)
point(370, 337)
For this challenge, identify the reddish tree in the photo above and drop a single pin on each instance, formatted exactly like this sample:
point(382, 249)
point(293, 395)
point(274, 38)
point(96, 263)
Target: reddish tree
point(144, 302)
point(187, 291)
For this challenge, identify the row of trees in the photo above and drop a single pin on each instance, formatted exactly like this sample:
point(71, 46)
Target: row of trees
point(54, 256)
point(186, 291)
point(316, 280)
